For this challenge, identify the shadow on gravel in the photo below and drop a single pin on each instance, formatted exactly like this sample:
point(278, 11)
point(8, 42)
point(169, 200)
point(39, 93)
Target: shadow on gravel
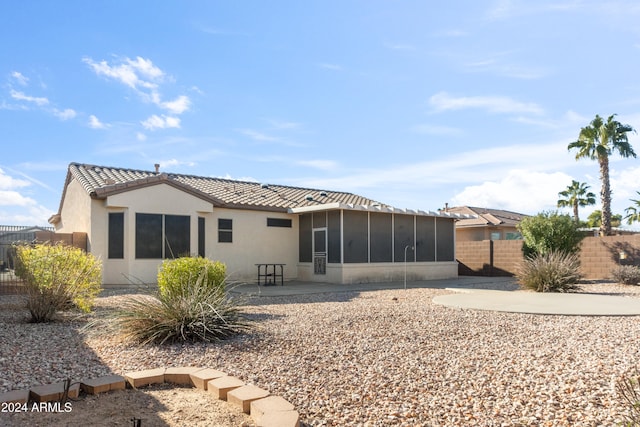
point(35, 354)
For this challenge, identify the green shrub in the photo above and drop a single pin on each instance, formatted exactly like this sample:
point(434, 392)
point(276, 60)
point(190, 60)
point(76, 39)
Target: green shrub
point(199, 312)
point(549, 231)
point(550, 272)
point(626, 274)
point(57, 278)
point(175, 274)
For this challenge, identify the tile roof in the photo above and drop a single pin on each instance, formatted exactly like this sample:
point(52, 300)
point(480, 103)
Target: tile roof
point(102, 181)
point(487, 216)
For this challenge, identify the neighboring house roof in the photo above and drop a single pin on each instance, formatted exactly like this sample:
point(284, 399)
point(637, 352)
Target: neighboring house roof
point(22, 228)
point(486, 217)
point(103, 181)
point(10, 233)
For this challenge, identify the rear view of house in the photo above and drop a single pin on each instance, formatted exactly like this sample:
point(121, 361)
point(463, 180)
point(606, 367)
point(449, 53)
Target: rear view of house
point(134, 219)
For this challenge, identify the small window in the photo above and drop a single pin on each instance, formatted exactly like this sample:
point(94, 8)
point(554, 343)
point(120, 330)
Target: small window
point(495, 235)
point(279, 222)
point(116, 235)
point(201, 236)
point(225, 230)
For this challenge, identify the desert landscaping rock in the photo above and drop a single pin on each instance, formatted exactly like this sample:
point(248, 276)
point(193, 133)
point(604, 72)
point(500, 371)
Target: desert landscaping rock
point(387, 357)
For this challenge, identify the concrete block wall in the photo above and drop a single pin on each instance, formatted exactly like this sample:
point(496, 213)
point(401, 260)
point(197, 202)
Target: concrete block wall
point(507, 257)
point(473, 258)
point(598, 256)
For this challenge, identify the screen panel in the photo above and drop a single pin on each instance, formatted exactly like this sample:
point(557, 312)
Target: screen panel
point(425, 238)
point(334, 255)
point(403, 237)
point(381, 237)
point(445, 232)
point(356, 238)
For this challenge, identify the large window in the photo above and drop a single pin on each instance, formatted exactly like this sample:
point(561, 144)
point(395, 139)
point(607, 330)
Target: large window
point(116, 235)
point(225, 230)
point(162, 236)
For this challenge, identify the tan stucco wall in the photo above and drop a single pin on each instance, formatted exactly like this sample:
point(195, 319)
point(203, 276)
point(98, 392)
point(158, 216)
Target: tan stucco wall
point(380, 272)
point(475, 234)
point(75, 212)
point(253, 242)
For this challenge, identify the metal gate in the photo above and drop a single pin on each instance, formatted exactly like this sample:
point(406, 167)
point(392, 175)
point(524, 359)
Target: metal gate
point(9, 237)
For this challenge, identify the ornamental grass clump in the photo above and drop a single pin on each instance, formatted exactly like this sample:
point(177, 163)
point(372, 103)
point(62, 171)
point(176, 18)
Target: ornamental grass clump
point(626, 274)
point(193, 309)
point(628, 388)
point(57, 278)
point(553, 271)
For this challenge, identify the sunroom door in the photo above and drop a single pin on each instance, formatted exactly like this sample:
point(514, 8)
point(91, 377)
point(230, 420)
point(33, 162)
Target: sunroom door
point(320, 251)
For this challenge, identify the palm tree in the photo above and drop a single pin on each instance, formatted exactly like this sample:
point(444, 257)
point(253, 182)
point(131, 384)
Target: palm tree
point(633, 212)
point(595, 219)
point(576, 195)
point(597, 142)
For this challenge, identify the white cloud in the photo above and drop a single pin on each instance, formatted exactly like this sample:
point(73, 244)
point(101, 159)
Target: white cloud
point(20, 96)
point(174, 162)
point(65, 114)
point(624, 184)
point(30, 214)
point(13, 198)
point(177, 106)
point(95, 123)
point(20, 78)
point(9, 183)
point(510, 9)
point(146, 68)
point(442, 101)
point(441, 177)
point(141, 136)
point(141, 75)
point(161, 122)
point(135, 73)
point(520, 190)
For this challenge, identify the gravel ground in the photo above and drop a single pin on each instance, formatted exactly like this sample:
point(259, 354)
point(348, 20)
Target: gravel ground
point(374, 358)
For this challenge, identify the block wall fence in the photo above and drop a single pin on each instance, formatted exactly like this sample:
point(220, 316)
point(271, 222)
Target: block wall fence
point(598, 256)
point(77, 239)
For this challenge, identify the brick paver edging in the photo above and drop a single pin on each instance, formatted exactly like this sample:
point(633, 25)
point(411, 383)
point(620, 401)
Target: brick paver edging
point(265, 410)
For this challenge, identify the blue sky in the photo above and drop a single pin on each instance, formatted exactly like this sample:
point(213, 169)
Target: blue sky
point(411, 103)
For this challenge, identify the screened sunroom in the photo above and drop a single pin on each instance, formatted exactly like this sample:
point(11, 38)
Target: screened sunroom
point(345, 243)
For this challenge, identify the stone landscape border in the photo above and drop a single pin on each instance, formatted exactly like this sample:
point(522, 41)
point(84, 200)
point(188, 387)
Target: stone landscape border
point(265, 410)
